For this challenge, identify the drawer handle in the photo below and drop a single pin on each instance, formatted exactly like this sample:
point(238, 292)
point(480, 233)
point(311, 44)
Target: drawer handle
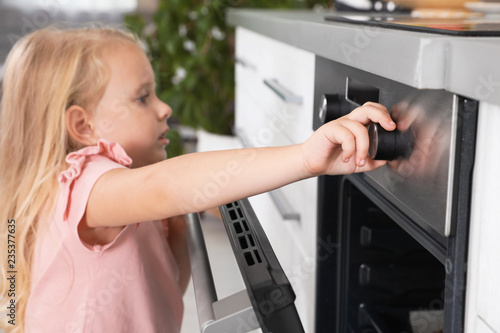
point(245, 63)
point(281, 202)
point(284, 93)
point(278, 197)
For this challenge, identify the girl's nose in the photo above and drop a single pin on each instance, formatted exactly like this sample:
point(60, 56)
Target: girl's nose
point(164, 111)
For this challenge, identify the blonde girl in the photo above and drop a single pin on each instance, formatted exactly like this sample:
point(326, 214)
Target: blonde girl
point(84, 180)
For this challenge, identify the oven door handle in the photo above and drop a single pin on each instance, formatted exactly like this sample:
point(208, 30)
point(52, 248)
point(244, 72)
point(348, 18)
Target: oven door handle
point(279, 198)
point(214, 316)
point(284, 93)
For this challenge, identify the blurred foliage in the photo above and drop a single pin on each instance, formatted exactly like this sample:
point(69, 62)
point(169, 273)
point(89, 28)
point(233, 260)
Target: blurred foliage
point(191, 49)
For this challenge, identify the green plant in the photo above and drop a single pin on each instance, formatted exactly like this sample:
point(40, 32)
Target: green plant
point(191, 51)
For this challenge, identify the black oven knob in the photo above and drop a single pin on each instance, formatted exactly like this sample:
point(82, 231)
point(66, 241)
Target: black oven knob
point(389, 145)
point(333, 106)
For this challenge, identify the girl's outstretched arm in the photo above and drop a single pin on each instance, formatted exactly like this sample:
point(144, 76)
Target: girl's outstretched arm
point(199, 181)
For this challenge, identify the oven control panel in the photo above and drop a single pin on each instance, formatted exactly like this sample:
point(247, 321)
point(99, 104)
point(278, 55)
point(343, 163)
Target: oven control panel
point(420, 175)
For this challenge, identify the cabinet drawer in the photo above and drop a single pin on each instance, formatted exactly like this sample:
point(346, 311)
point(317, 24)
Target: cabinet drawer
point(285, 123)
point(295, 118)
point(274, 70)
point(302, 277)
point(264, 53)
point(253, 124)
point(301, 197)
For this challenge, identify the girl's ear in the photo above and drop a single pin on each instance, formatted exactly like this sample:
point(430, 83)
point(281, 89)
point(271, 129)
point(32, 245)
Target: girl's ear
point(79, 126)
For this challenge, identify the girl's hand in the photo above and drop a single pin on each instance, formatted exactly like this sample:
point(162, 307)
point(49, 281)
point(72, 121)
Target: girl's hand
point(341, 146)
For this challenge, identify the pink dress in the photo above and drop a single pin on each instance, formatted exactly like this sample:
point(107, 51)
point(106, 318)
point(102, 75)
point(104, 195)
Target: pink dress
point(128, 285)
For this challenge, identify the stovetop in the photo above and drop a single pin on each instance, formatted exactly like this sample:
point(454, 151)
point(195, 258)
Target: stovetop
point(467, 27)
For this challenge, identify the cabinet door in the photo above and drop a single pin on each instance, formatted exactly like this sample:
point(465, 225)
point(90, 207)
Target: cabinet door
point(483, 289)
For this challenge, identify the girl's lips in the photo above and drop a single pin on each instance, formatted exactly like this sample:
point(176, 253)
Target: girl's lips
point(163, 141)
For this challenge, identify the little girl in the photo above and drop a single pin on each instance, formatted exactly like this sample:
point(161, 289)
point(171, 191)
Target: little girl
point(85, 181)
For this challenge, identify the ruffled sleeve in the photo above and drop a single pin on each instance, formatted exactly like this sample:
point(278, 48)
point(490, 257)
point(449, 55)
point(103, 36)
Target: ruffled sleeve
point(76, 160)
point(85, 166)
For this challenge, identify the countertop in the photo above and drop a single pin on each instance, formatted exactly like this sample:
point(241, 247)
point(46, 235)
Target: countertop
point(468, 66)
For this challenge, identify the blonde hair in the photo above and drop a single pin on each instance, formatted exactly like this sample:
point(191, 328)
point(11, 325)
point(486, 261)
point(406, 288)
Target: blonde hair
point(45, 73)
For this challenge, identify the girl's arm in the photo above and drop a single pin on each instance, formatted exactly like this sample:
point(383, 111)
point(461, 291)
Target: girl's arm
point(199, 181)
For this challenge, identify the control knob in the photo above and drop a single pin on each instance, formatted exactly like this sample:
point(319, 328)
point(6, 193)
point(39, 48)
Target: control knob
point(333, 106)
point(389, 145)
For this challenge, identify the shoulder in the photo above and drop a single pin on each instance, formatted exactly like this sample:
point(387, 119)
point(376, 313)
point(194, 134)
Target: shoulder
point(85, 167)
point(95, 159)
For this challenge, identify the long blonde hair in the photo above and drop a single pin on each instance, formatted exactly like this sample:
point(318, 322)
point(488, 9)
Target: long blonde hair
point(45, 73)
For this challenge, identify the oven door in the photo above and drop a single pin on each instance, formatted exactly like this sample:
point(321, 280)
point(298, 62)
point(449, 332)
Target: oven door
point(267, 302)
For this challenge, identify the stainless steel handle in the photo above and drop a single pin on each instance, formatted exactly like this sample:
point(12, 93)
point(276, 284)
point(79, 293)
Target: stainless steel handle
point(286, 210)
point(284, 93)
point(203, 281)
point(279, 199)
point(215, 316)
point(245, 63)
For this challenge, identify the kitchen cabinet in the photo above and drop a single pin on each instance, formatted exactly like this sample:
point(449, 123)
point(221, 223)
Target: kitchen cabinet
point(274, 101)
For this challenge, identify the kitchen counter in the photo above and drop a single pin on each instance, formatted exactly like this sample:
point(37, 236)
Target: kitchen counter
point(462, 65)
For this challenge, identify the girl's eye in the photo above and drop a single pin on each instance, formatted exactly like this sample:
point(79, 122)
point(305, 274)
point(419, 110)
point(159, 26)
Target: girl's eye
point(143, 99)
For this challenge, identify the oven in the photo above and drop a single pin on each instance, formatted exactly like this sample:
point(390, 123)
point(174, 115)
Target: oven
point(399, 260)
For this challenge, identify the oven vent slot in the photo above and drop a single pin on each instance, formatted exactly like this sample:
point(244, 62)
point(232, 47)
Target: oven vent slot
point(246, 240)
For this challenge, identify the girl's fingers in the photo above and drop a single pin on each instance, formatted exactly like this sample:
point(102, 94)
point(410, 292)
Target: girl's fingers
point(377, 105)
point(351, 134)
point(372, 165)
point(373, 112)
point(353, 138)
point(362, 141)
point(342, 136)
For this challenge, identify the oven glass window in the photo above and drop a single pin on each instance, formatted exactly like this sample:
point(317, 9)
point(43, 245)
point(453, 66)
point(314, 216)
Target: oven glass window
point(390, 283)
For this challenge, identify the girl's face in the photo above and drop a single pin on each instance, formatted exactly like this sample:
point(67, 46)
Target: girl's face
point(129, 112)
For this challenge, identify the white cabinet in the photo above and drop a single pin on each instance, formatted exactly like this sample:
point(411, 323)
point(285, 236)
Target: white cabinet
point(275, 82)
point(274, 107)
point(483, 288)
